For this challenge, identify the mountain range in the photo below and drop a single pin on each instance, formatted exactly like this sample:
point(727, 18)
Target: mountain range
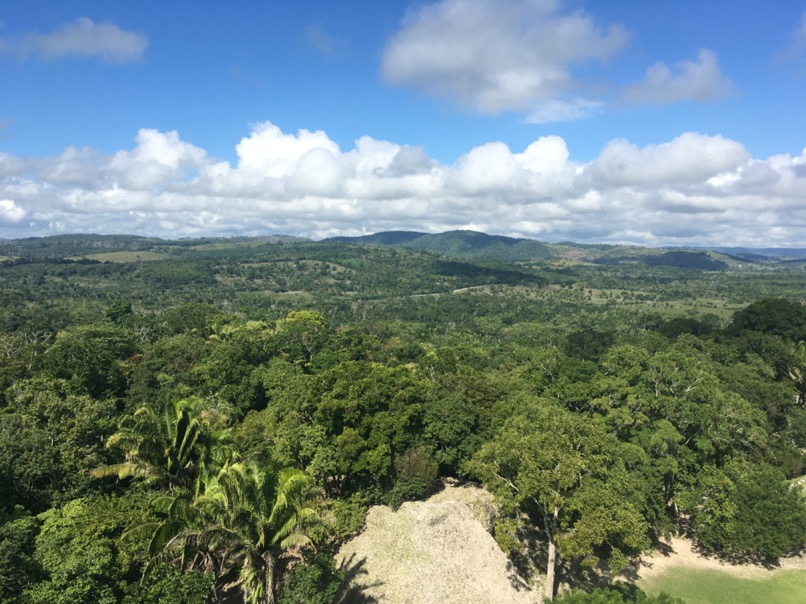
point(461, 244)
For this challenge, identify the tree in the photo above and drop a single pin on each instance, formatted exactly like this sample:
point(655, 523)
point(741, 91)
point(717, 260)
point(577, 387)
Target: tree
point(776, 316)
point(90, 357)
point(797, 373)
point(747, 510)
point(622, 593)
point(564, 471)
point(80, 555)
point(315, 582)
point(168, 447)
point(246, 518)
point(17, 566)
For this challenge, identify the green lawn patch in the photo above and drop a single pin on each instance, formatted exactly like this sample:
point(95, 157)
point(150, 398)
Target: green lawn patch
point(715, 587)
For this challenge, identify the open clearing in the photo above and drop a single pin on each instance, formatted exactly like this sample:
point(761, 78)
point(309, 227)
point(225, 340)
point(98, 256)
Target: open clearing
point(143, 256)
point(698, 579)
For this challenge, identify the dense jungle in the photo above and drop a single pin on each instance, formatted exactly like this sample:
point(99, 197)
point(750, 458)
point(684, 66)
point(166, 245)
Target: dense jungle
point(208, 420)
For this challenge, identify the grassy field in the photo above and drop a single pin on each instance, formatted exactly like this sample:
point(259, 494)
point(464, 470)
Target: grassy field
point(127, 256)
point(698, 586)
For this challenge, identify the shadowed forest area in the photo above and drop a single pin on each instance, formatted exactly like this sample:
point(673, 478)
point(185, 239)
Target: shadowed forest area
point(209, 420)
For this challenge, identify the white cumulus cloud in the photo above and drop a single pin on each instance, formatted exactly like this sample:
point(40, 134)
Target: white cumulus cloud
point(10, 212)
point(689, 158)
point(496, 55)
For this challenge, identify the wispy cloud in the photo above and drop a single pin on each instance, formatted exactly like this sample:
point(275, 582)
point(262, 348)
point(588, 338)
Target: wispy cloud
point(796, 50)
point(318, 39)
point(5, 129)
point(80, 38)
point(698, 80)
point(558, 110)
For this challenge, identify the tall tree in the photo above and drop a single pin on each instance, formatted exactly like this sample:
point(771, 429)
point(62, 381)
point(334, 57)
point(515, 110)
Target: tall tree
point(797, 373)
point(168, 447)
point(564, 471)
point(245, 519)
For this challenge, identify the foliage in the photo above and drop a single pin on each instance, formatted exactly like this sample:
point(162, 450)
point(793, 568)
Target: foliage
point(417, 472)
point(167, 585)
point(671, 395)
point(80, 554)
point(774, 316)
point(171, 446)
point(91, 358)
point(617, 594)
point(18, 569)
point(315, 582)
point(566, 474)
point(243, 519)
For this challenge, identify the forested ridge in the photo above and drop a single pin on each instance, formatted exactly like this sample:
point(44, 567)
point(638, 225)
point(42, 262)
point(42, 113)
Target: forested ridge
point(208, 420)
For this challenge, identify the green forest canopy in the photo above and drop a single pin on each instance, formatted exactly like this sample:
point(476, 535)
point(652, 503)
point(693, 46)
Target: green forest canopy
point(189, 411)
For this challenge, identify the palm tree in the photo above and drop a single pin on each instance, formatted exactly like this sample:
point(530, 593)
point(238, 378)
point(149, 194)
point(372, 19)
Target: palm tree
point(167, 447)
point(245, 520)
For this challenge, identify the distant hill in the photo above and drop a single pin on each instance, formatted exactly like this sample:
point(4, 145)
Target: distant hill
point(460, 244)
point(474, 245)
point(85, 244)
point(383, 238)
point(686, 259)
point(750, 254)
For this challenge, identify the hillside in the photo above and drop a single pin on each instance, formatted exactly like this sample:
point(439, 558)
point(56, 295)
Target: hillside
point(459, 244)
point(475, 245)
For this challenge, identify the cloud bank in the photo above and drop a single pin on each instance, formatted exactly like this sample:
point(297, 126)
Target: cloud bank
point(694, 189)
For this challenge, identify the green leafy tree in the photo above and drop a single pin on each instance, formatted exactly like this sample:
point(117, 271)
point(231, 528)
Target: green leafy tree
point(775, 316)
point(317, 581)
point(18, 569)
point(770, 519)
point(797, 373)
point(80, 554)
point(91, 357)
point(616, 594)
point(30, 469)
point(565, 473)
point(50, 436)
point(747, 510)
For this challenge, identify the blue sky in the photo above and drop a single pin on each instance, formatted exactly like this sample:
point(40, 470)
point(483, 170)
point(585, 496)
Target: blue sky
point(624, 122)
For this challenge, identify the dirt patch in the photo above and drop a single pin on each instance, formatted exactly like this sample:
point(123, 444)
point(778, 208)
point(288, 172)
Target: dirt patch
point(680, 553)
point(439, 550)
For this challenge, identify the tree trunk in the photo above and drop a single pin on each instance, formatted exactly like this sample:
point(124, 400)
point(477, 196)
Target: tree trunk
point(551, 530)
point(549, 589)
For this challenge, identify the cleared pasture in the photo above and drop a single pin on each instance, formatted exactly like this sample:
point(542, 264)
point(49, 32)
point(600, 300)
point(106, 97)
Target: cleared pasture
point(698, 586)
